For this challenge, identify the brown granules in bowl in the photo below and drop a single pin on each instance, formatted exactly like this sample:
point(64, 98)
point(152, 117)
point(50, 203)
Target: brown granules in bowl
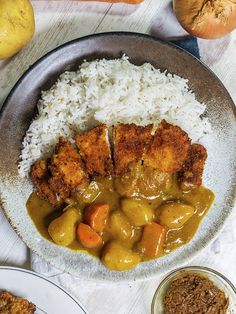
point(195, 294)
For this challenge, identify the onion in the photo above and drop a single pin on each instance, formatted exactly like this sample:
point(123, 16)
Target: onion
point(206, 18)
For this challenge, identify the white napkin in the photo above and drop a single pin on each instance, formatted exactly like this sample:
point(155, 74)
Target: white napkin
point(100, 297)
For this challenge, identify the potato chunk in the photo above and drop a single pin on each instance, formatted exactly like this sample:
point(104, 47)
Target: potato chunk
point(138, 211)
point(175, 215)
point(119, 226)
point(142, 181)
point(63, 229)
point(117, 257)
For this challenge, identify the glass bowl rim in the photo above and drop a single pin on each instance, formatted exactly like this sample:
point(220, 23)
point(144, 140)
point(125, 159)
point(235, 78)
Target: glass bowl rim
point(193, 268)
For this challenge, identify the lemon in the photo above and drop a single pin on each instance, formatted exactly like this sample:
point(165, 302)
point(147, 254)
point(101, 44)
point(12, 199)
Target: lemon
point(16, 26)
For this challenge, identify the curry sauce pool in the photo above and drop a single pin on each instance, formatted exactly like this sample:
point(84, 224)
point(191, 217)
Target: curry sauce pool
point(157, 201)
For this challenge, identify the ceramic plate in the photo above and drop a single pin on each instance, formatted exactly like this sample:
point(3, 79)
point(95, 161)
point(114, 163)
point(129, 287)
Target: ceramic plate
point(20, 108)
point(48, 297)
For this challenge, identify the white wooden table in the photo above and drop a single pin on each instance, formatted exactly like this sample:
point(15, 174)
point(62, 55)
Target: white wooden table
point(60, 21)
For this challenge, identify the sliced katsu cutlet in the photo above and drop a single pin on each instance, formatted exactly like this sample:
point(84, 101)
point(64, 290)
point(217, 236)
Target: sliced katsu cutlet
point(67, 169)
point(130, 142)
point(10, 304)
point(40, 175)
point(191, 173)
point(168, 148)
point(95, 151)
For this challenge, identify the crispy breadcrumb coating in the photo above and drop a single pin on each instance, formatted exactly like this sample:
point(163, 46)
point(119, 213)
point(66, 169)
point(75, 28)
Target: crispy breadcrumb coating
point(67, 169)
point(130, 141)
point(192, 170)
point(168, 148)
point(10, 304)
point(39, 170)
point(94, 148)
point(168, 151)
point(40, 175)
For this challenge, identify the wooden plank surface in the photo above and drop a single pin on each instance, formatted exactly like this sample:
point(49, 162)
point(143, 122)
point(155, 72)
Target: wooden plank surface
point(60, 21)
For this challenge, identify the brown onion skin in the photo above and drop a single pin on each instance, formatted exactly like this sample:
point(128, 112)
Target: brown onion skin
point(207, 19)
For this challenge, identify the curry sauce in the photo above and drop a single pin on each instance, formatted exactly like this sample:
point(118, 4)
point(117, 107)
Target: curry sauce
point(151, 191)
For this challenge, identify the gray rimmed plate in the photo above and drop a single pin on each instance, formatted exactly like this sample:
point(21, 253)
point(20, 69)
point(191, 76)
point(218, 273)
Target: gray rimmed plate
point(20, 108)
point(44, 293)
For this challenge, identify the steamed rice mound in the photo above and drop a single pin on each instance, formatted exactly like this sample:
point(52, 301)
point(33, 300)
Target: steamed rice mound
point(110, 91)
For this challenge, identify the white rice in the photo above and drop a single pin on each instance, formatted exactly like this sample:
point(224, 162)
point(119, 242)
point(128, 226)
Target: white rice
point(110, 91)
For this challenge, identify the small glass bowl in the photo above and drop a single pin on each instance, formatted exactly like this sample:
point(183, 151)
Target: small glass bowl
point(219, 280)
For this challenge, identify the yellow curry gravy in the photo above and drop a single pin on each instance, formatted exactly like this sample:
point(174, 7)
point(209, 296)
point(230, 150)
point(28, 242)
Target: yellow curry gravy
point(141, 184)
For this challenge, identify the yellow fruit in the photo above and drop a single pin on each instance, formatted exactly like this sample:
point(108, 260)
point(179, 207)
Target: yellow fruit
point(139, 212)
point(16, 26)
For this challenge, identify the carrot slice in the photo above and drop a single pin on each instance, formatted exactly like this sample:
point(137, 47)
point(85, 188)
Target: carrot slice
point(96, 216)
point(152, 240)
point(88, 237)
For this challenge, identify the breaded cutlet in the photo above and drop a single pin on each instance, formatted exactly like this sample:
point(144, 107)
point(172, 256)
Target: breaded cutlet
point(130, 141)
point(192, 170)
point(40, 174)
point(67, 169)
point(168, 149)
point(10, 304)
point(94, 148)
point(39, 170)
